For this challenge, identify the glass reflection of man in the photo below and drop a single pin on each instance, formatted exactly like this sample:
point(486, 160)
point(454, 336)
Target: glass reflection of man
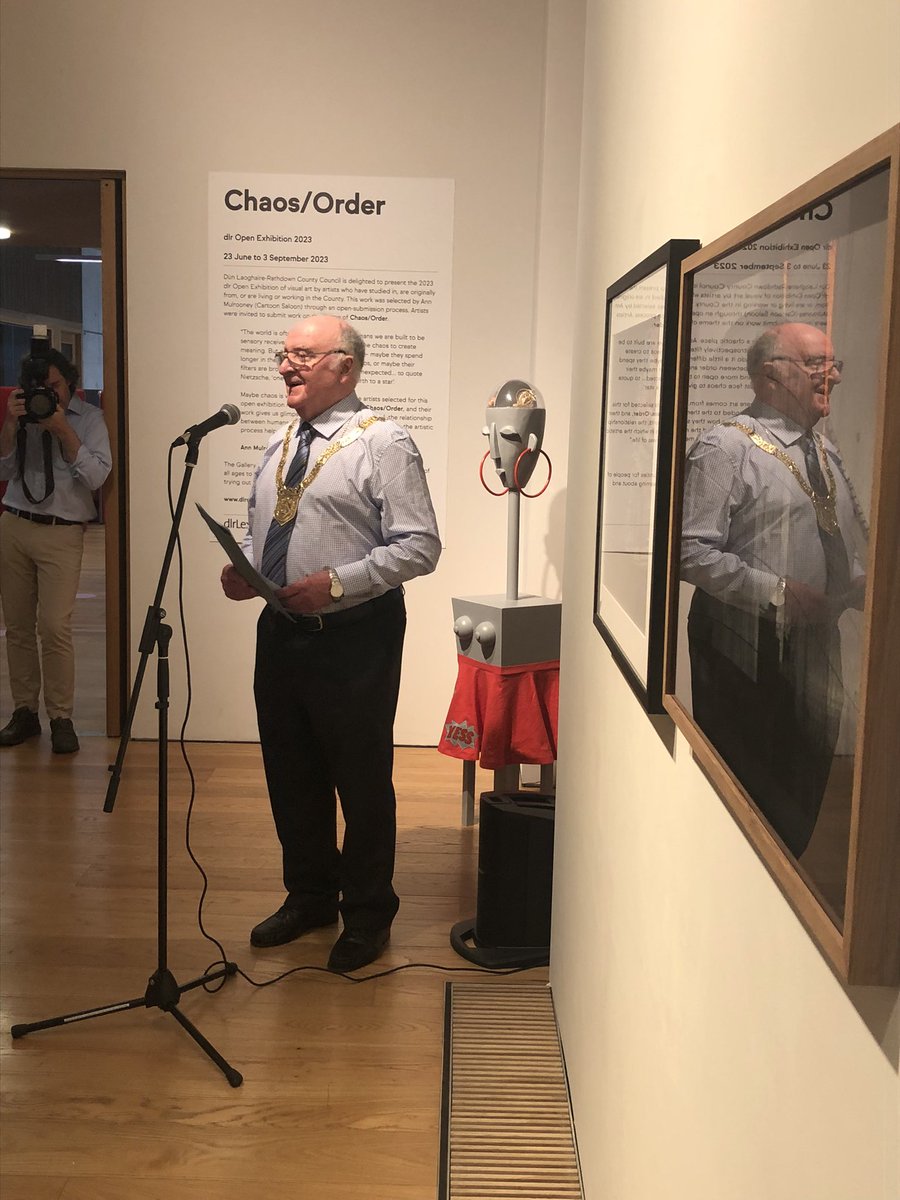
point(765, 502)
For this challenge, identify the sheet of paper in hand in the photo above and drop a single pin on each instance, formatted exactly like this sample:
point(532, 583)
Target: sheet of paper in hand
point(242, 564)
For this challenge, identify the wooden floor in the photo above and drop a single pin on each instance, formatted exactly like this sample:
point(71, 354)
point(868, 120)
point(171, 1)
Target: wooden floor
point(341, 1097)
point(342, 1081)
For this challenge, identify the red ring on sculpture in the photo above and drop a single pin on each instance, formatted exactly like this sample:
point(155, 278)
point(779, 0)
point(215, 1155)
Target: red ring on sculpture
point(481, 477)
point(532, 495)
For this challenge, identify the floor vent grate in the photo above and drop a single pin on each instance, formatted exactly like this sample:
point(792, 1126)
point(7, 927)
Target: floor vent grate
point(506, 1128)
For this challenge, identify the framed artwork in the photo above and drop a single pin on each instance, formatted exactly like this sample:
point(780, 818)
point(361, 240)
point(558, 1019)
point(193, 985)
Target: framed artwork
point(635, 467)
point(782, 645)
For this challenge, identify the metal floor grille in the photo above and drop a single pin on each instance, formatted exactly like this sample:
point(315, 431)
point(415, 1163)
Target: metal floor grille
point(506, 1127)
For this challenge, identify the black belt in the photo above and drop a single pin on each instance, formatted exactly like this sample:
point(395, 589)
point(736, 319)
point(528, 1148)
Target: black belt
point(321, 622)
point(40, 518)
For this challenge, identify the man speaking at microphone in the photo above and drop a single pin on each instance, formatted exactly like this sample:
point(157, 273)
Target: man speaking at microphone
point(340, 518)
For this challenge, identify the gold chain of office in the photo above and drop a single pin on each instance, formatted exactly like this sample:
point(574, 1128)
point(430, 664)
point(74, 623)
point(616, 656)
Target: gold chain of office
point(825, 507)
point(289, 497)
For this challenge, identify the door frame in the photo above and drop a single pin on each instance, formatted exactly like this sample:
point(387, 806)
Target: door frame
point(115, 410)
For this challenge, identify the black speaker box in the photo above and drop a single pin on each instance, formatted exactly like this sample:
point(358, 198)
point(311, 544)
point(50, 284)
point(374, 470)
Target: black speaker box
point(515, 882)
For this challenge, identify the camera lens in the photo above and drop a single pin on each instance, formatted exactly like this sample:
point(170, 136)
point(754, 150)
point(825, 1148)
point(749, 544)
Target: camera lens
point(40, 404)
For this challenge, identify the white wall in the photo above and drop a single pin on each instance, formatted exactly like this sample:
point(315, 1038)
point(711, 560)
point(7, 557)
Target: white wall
point(470, 91)
point(712, 1054)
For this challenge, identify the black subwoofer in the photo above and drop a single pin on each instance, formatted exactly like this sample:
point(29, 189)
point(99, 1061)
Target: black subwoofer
point(515, 882)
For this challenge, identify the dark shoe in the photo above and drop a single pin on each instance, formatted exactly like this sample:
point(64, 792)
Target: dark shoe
point(23, 724)
point(288, 924)
point(356, 948)
point(63, 737)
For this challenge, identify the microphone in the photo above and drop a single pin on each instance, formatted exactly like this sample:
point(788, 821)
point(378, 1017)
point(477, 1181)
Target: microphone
point(228, 414)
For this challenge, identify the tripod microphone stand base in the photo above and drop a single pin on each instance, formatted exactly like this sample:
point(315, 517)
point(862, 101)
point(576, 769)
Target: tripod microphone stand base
point(162, 992)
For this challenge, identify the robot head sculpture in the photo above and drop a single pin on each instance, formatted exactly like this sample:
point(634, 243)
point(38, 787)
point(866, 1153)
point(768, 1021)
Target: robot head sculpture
point(515, 417)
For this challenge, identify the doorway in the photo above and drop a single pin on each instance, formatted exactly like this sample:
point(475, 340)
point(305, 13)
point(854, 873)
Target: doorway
point(62, 267)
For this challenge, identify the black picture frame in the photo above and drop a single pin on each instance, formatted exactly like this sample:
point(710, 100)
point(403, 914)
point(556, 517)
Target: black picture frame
point(633, 503)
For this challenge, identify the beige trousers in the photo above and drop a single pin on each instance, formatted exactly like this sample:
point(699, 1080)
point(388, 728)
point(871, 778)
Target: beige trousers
point(40, 566)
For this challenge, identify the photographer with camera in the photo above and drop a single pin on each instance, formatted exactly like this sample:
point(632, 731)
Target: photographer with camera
point(55, 452)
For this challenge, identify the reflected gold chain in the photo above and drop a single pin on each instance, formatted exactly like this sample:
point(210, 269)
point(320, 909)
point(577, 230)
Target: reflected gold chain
point(825, 508)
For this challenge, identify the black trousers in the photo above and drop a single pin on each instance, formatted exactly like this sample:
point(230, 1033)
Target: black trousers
point(325, 704)
point(771, 705)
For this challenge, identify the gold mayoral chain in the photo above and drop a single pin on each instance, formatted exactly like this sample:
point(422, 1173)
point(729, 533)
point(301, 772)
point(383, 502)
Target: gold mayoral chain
point(289, 497)
point(825, 508)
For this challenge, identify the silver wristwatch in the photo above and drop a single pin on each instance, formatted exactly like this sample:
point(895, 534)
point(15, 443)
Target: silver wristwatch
point(778, 595)
point(337, 588)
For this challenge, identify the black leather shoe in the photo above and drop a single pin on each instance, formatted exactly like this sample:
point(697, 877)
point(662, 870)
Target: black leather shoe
point(22, 725)
point(63, 737)
point(288, 924)
point(356, 948)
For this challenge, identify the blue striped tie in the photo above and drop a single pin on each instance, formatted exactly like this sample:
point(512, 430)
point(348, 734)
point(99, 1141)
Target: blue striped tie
point(837, 570)
point(275, 550)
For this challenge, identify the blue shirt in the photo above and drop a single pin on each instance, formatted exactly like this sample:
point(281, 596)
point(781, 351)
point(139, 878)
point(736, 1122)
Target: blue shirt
point(75, 482)
point(367, 514)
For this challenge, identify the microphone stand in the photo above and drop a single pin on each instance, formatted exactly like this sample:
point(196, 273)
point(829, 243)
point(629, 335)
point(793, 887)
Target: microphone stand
point(163, 991)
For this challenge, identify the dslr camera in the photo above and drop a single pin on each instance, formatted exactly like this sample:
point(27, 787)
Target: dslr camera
point(40, 400)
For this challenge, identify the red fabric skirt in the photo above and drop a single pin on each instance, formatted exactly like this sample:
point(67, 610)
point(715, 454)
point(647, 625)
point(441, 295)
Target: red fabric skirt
point(503, 715)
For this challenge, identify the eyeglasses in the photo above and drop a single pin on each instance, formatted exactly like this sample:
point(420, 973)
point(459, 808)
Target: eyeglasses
point(819, 364)
point(303, 358)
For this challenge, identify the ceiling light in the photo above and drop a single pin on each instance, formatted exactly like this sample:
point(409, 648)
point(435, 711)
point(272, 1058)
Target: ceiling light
point(68, 258)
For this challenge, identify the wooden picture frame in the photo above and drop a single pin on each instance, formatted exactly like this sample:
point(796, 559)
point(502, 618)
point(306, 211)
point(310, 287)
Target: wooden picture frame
point(635, 467)
point(788, 697)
